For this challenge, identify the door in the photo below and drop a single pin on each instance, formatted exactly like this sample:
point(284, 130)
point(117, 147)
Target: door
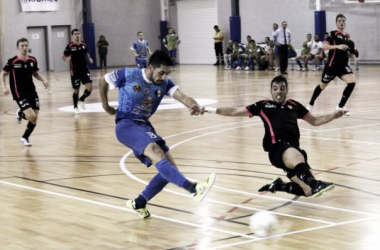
point(196, 20)
point(38, 46)
point(60, 39)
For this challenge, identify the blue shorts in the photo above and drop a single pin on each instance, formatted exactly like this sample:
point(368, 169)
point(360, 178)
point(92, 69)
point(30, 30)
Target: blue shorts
point(172, 53)
point(142, 64)
point(137, 135)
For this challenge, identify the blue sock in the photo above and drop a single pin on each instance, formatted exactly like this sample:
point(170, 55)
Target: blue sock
point(154, 187)
point(171, 173)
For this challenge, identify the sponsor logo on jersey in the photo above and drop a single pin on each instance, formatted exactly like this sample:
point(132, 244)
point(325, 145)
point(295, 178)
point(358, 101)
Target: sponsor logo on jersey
point(17, 66)
point(31, 64)
point(158, 93)
point(137, 88)
point(290, 106)
point(270, 105)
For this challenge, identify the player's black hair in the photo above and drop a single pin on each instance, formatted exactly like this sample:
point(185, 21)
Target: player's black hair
point(339, 15)
point(72, 32)
point(279, 79)
point(23, 39)
point(139, 32)
point(216, 27)
point(158, 58)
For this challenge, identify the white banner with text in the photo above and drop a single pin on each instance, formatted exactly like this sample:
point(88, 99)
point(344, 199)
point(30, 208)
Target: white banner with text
point(39, 5)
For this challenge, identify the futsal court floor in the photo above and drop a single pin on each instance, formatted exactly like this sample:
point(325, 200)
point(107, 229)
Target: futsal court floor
point(68, 190)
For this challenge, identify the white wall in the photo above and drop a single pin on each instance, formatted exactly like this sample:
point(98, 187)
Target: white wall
point(16, 23)
point(120, 20)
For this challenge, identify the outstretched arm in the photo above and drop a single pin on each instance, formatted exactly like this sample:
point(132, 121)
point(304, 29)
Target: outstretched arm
point(189, 102)
point(228, 111)
point(323, 119)
point(103, 92)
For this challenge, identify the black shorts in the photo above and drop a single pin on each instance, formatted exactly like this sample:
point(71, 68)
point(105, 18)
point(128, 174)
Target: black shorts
point(218, 49)
point(80, 77)
point(329, 73)
point(29, 101)
point(275, 156)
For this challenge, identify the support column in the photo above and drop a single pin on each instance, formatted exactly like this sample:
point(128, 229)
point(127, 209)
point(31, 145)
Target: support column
point(235, 24)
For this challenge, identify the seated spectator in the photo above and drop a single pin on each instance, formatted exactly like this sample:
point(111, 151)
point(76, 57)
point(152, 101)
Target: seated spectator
point(267, 57)
point(237, 49)
point(228, 53)
point(250, 55)
point(316, 53)
point(303, 55)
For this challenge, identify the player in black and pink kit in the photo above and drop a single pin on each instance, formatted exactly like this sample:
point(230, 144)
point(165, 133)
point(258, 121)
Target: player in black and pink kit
point(340, 48)
point(76, 53)
point(21, 68)
point(281, 139)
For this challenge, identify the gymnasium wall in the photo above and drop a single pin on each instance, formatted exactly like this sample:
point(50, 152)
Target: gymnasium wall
point(119, 21)
point(16, 23)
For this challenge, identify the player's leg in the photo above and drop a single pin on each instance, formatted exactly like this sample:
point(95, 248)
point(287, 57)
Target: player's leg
point(149, 148)
point(87, 81)
point(293, 159)
point(327, 76)
point(75, 83)
point(350, 80)
point(30, 108)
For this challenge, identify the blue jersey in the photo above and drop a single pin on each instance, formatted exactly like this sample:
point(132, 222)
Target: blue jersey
point(138, 97)
point(141, 48)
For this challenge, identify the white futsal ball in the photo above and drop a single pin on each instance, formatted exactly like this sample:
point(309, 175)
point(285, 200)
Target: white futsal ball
point(263, 223)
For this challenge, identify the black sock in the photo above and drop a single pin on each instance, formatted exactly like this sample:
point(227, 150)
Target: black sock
point(140, 202)
point(292, 188)
point(303, 173)
point(29, 129)
point(190, 186)
point(22, 115)
point(316, 93)
point(346, 94)
point(75, 100)
point(86, 94)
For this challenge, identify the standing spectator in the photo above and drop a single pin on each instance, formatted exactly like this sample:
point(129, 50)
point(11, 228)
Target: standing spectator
point(76, 53)
point(171, 42)
point(218, 39)
point(140, 50)
point(282, 38)
point(22, 67)
point(276, 57)
point(103, 50)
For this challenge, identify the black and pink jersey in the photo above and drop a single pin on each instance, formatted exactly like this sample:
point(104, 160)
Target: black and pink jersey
point(337, 57)
point(78, 53)
point(21, 75)
point(280, 120)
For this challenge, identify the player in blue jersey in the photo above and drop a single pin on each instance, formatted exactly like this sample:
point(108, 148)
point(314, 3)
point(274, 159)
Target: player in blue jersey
point(140, 93)
point(140, 50)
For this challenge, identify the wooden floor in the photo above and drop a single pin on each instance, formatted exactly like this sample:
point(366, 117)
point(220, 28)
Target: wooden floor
point(68, 190)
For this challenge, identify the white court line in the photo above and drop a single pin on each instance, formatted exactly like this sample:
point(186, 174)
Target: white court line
point(340, 128)
point(128, 173)
point(291, 233)
point(125, 209)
